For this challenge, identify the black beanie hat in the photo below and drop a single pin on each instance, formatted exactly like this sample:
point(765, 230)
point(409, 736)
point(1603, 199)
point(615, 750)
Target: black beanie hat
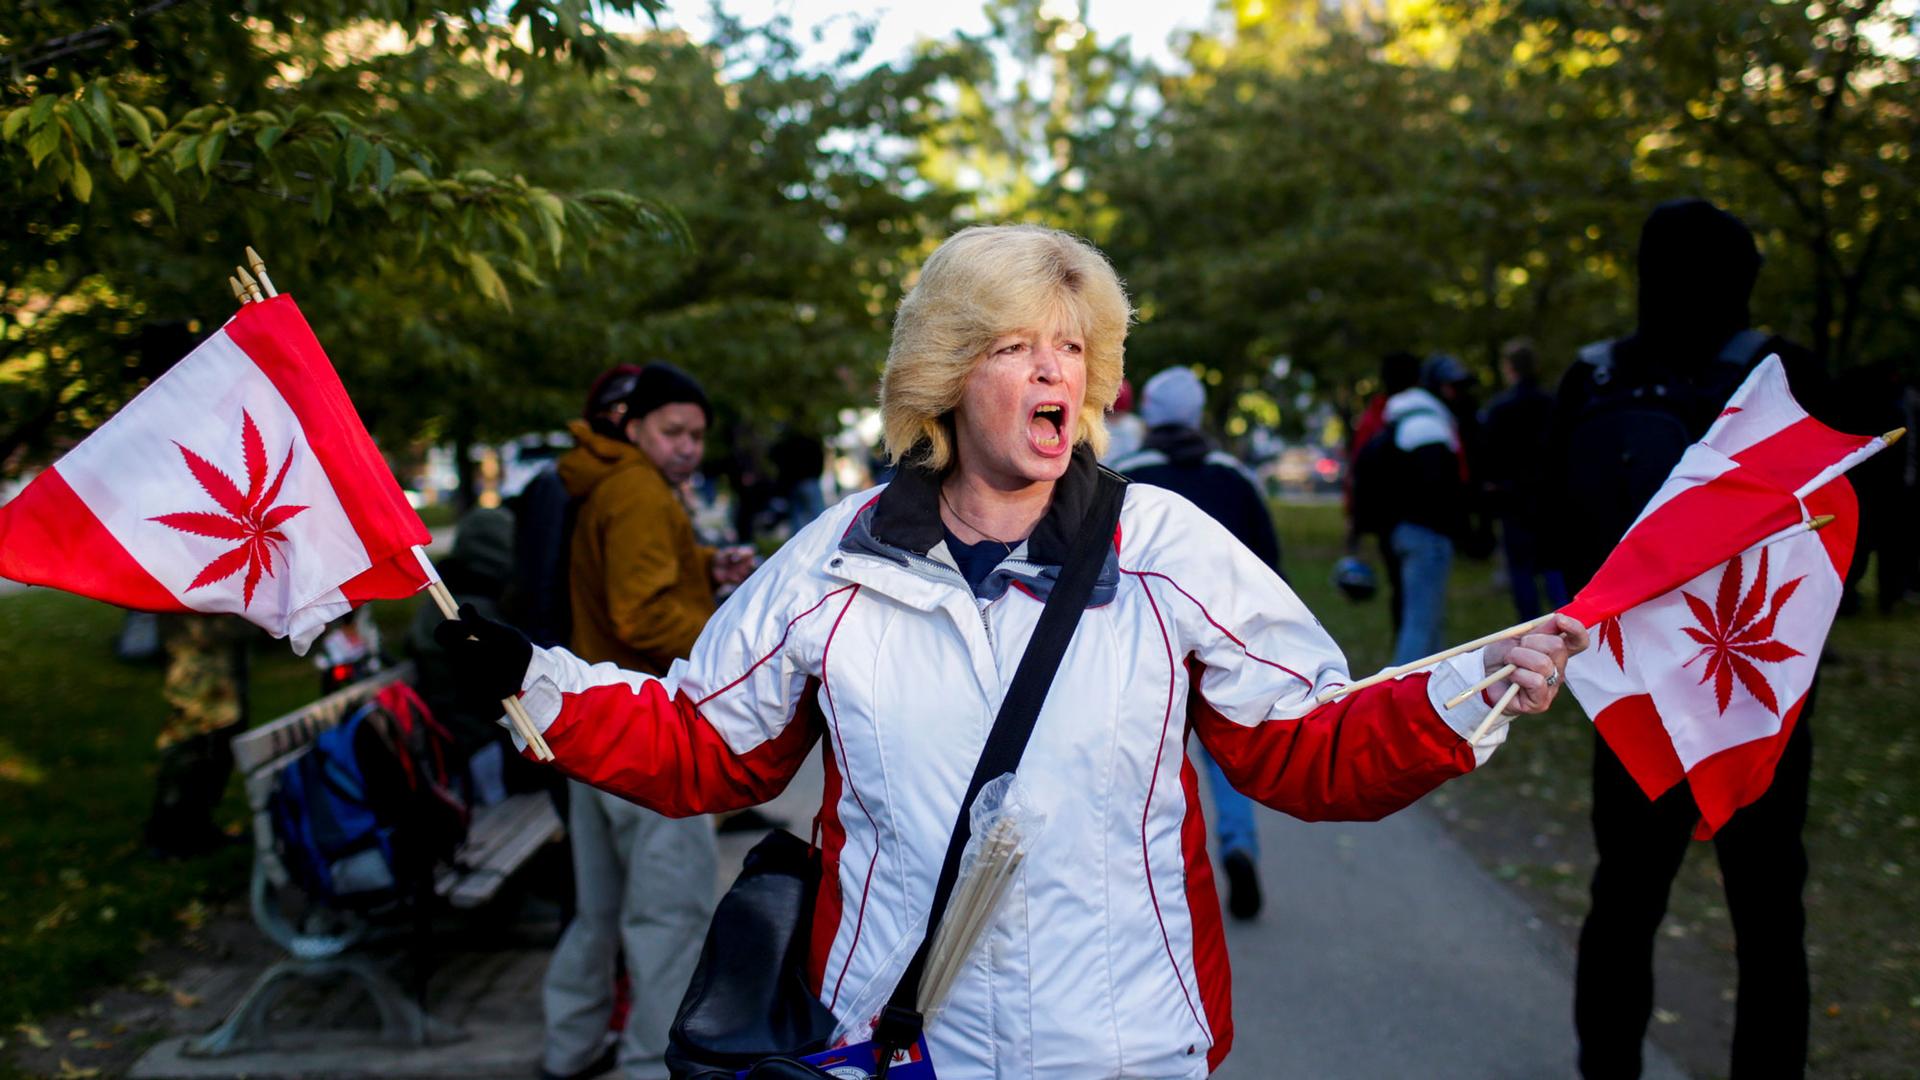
point(663, 384)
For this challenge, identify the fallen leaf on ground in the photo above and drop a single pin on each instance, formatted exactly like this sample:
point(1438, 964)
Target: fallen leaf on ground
point(184, 1000)
point(34, 1035)
point(70, 1071)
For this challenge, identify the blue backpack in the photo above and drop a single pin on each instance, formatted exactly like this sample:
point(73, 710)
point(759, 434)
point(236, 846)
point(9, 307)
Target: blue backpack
point(363, 815)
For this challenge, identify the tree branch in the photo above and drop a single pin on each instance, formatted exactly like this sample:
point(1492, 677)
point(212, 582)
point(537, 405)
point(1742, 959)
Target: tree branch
point(94, 37)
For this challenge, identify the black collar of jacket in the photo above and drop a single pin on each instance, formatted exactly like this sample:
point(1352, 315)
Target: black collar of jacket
point(908, 513)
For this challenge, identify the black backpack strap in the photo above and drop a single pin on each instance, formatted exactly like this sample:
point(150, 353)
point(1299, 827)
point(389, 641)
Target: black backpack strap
point(901, 1021)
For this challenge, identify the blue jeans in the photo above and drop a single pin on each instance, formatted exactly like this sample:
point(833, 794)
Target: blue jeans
point(1232, 811)
point(1425, 557)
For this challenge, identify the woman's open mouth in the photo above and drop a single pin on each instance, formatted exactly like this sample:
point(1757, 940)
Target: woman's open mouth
point(1047, 429)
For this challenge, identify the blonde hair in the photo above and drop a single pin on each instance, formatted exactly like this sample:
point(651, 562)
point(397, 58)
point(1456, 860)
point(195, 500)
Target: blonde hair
point(984, 282)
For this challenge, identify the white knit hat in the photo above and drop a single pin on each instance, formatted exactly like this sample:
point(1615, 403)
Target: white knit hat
point(1174, 396)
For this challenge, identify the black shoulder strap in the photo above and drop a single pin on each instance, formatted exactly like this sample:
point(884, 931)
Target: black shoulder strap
point(900, 1023)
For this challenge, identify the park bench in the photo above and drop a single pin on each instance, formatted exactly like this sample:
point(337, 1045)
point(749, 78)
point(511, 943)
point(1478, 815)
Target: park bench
point(320, 942)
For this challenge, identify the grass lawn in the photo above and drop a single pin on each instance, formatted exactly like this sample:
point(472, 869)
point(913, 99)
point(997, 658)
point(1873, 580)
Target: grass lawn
point(1525, 815)
point(80, 900)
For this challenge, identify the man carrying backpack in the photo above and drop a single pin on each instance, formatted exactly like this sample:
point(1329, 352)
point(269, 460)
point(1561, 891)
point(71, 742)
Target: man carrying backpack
point(1625, 414)
point(1408, 489)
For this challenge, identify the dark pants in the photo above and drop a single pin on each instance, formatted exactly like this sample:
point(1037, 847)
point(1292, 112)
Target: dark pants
point(1764, 865)
point(1524, 573)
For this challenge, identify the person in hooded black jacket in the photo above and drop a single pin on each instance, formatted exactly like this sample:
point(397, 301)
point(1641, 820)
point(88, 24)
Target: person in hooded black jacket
point(1624, 415)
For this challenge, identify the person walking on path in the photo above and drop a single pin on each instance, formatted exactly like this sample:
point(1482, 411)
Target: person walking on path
point(1175, 455)
point(1409, 490)
point(641, 590)
point(1514, 429)
point(1624, 415)
point(888, 631)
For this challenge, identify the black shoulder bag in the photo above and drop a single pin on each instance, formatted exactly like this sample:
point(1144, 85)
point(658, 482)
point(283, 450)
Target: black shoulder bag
point(748, 1006)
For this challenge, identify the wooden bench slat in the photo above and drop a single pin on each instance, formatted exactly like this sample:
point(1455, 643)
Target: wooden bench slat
point(501, 838)
point(260, 747)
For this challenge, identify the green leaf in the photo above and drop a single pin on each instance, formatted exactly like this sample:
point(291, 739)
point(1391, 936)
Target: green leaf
point(267, 136)
point(383, 169)
point(486, 278)
point(210, 146)
point(526, 273)
point(408, 179)
point(77, 124)
point(82, 181)
point(359, 150)
point(42, 109)
point(322, 203)
point(15, 120)
point(126, 162)
point(164, 197)
point(42, 142)
point(137, 123)
point(100, 104)
point(182, 155)
point(553, 215)
point(158, 118)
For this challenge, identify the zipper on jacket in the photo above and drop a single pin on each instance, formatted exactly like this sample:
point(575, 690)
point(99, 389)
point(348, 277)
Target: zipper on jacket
point(936, 568)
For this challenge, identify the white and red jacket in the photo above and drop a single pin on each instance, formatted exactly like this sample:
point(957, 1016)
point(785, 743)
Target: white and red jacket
point(1107, 959)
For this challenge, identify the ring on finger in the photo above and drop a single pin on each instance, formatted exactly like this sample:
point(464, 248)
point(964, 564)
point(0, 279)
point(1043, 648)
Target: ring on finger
point(1553, 677)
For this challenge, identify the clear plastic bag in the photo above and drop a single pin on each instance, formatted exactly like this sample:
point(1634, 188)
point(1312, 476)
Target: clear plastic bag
point(1003, 825)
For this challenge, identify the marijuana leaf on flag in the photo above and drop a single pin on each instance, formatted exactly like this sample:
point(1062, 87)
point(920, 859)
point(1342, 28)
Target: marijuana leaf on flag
point(252, 519)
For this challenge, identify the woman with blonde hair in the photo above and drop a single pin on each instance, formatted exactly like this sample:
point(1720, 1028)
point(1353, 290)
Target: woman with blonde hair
point(887, 632)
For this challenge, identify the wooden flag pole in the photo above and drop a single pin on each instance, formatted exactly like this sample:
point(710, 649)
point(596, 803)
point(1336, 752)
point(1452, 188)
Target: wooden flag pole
point(249, 287)
point(1499, 707)
point(1395, 672)
point(1496, 676)
point(516, 712)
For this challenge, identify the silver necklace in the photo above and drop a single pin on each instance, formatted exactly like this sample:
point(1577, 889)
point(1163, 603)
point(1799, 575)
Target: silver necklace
point(962, 519)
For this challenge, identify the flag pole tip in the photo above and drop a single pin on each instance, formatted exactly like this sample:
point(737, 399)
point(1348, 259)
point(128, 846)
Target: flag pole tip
point(259, 266)
point(1820, 522)
point(239, 290)
point(1894, 436)
point(252, 286)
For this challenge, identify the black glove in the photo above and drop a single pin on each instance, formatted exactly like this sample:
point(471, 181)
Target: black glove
point(489, 659)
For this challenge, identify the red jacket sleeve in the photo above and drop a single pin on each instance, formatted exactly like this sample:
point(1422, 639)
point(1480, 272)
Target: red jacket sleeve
point(1359, 758)
point(656, 749)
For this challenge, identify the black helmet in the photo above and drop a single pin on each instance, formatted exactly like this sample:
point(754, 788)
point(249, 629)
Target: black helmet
point(1354, 577)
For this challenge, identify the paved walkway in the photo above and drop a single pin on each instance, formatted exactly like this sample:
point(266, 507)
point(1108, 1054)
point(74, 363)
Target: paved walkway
point(1384, 951)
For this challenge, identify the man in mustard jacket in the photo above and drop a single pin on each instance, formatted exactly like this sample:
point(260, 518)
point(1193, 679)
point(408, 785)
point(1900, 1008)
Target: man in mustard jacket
point(641, 592)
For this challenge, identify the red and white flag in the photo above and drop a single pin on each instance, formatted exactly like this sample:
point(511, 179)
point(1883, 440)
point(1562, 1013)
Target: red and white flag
point(1709, 618)
point(240, 481)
